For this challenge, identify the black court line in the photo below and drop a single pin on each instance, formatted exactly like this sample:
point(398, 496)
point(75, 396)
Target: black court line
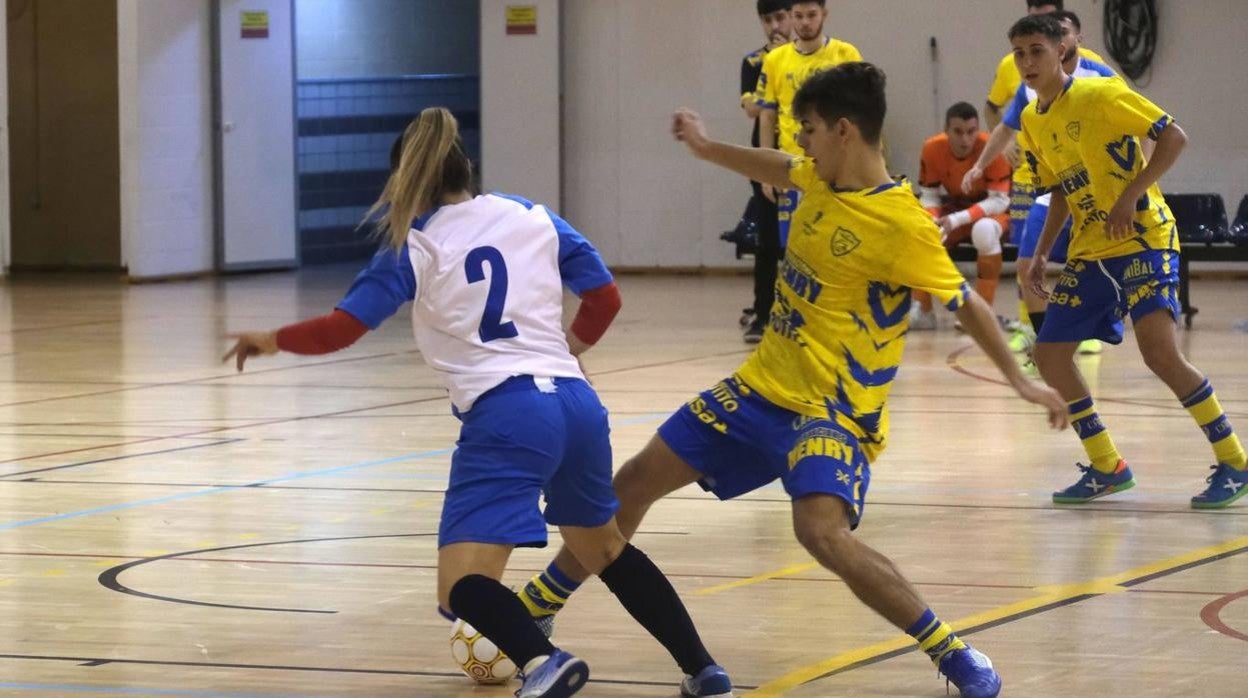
point(102, 661)
point(117, 458)
point(1036, 611)
point(684, 498)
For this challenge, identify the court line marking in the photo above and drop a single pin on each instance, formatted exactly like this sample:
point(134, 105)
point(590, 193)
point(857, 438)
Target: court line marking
point(135, 691)
point(218, 442)
point(102, 661)
point(774, 574)
point(226, 488)
point(953, 362)
point(118, 557)
point(1102, 508)
point(1055, 596)
point(217, 430)
point(1212, 615)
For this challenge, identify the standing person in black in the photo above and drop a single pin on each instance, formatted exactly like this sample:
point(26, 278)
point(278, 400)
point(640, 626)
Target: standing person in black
point(773, 15)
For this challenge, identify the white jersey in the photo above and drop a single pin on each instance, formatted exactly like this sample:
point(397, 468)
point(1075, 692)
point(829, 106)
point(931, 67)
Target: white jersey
point(486, 278)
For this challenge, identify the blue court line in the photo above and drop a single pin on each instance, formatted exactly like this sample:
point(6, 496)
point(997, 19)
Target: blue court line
point(227, 488)
point(284, 478)
point(84, 688)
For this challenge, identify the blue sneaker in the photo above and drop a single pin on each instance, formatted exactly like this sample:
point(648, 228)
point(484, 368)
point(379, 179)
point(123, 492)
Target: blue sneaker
point(971, 671)
point(1226, 485)
point(1094, 484)
point(560, 676)
point(711, 682)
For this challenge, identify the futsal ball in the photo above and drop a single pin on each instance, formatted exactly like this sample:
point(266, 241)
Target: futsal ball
point(477, 657)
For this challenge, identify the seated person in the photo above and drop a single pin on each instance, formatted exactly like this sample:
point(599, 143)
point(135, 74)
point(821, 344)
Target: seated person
point(980, 214)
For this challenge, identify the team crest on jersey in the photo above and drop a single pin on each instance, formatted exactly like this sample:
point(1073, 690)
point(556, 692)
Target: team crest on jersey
point(1072, 130)
point(844, 242)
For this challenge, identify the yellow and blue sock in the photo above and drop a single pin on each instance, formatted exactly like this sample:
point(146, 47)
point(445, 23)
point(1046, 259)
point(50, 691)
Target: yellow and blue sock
point(1096, 442)
point(546, 593)
point(934, 637)
point(1203, 405)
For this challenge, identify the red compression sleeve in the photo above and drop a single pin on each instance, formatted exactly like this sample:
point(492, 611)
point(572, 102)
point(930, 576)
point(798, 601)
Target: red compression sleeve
point(598, 308)
point(321, 335)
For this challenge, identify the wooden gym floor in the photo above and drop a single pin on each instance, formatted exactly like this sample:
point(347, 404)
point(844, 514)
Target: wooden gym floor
point(171, 528)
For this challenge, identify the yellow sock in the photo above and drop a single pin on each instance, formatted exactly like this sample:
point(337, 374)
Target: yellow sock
point(1096, 442)
point(1203, 405)
point(934, 636)
point(547, 592)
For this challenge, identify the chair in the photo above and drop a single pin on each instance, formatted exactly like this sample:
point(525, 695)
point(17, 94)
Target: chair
point(1238, 232)
point(1200, 218)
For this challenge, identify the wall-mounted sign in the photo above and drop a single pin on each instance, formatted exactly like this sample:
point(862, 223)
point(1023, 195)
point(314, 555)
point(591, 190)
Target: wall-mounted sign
point(255, 24)
point(522, 19)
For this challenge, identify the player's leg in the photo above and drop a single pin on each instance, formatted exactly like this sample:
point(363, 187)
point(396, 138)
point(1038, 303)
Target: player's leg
point(766, 259)
point(828, 483)
point(986, 234)
point(648, 596)
point(491, 505)
point(646, 478)
point(581, 502)
point(1084, 305)
point(1154, 309)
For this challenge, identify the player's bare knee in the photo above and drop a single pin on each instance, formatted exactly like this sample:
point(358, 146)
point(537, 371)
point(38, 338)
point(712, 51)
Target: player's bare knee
point(1163, 359)
point(594, 548)
point(821, 537)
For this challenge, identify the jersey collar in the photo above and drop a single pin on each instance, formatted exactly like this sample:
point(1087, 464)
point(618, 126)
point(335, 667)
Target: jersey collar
point(1070, 80)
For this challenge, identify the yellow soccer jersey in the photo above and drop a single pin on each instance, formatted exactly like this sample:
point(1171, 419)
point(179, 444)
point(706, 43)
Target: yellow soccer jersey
point(784, 71)
point(1086, 143)
point(1006, 80)
point(838, 325)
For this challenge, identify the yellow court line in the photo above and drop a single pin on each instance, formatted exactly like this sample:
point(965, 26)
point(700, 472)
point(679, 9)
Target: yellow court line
point(774, 574)
point(1051, 594)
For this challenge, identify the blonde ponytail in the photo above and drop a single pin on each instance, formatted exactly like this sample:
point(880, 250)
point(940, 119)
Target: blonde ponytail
point(431, 163)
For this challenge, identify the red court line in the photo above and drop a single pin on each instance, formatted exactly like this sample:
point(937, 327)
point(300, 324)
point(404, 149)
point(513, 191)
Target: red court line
point(952, 362)
point(1211, 615)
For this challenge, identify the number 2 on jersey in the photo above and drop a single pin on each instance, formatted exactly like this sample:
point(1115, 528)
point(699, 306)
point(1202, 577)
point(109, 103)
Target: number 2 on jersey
point(492, 327)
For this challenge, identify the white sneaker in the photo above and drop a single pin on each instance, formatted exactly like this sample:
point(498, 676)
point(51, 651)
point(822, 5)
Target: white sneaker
point(922, 321)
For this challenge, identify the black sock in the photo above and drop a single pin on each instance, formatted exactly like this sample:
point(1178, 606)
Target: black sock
point(497, 613)
point(650, 599)
point(1037, 320)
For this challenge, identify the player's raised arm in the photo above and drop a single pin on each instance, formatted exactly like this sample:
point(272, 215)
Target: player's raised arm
point(998, 141)
point(762, 165)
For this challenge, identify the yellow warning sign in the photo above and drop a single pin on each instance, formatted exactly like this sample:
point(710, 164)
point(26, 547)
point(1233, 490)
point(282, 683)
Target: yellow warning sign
point(255, 24)
point(522, 19)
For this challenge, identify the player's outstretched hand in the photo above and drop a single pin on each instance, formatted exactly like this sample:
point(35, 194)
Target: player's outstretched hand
point(1035, 276)
point(687, 127)
point(1046, 397)
point(250, 344)
point(972, 175)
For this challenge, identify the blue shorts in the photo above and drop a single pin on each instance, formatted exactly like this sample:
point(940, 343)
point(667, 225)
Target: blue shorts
point(739, 442)
point(786, 204)
point(1031, 235)
point(520, 441)
point(1092, 297)
point(1022, 198)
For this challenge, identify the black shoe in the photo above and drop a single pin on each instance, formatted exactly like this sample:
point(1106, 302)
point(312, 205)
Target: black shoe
point(747, 317)
point(754, 333)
